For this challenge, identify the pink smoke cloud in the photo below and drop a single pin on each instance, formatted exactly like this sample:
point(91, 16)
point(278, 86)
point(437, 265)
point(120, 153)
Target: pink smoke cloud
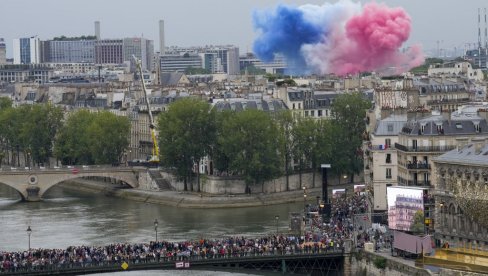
point(368, 41)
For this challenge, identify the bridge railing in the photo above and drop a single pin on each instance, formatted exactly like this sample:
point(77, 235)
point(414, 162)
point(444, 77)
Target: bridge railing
point(47, 266)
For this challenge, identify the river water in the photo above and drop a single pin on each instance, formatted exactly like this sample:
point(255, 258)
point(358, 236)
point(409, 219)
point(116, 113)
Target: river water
point(69, 217)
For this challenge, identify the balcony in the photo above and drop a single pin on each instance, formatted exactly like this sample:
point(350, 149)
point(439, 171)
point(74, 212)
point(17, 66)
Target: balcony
point(418, 166)
point(380, 147)
point(424, 149)
point(448, 101)
point(415, 183)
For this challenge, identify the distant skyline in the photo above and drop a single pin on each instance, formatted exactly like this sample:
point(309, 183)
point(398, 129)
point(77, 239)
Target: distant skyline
point(447, 23)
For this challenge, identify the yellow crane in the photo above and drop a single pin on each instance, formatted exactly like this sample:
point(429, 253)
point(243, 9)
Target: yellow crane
point(154, 160)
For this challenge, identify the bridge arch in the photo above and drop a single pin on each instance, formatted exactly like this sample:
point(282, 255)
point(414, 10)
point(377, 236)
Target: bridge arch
point(14, 187)
point(32, 185)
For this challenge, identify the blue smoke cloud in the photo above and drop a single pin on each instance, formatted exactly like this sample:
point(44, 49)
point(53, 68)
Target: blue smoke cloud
point(284, 31)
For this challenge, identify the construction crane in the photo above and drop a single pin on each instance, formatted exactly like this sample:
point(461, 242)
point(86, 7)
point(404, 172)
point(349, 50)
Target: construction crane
point(154, 159)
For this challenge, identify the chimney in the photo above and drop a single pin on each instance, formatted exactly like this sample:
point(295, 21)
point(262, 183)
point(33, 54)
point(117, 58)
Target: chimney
point(446, 115)
point(483, 113)
point(97, 29)
point(461, 143)
point(478, 143)
point(162, 45)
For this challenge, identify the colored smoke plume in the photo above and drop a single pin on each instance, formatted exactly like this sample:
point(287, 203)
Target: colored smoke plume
point(342, 38)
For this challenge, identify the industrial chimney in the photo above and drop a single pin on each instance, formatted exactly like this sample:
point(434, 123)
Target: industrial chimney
point(97, 29)
point(162, 49)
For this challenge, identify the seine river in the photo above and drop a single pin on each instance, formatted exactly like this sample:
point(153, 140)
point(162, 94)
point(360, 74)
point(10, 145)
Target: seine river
point(68, 217)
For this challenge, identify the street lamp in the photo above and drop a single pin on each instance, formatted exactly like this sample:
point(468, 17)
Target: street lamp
point(29, 232)
point(277, 218)
point(156, 229)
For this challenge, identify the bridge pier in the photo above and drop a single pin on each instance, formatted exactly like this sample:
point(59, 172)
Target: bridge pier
point(32, 194)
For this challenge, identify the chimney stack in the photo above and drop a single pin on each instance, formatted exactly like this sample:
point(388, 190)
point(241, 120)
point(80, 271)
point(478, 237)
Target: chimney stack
point(478, 144)
point(461, 143)
point(162, 49)
point(97, 29)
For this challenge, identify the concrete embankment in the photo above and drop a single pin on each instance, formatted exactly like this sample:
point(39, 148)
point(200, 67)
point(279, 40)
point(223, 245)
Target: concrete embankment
point(191, 200)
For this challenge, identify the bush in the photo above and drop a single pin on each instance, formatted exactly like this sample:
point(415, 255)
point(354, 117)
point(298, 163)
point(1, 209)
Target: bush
point(380, 262)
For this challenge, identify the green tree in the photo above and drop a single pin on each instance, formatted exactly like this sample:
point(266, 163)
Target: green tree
point(108, 136)
point(248, 139)
point(286, 123)
point(92, 138)
point(72, 144)
point(5, 103)
point(348, 124)
point(418, 225)
point(186, 132)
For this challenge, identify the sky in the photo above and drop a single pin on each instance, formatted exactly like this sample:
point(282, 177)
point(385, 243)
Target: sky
point(449, 23)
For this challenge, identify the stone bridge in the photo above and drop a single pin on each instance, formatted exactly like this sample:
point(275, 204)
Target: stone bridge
point(33, 184)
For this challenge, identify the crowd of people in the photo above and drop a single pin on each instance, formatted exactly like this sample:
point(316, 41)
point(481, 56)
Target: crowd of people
point(161, 251)
point(318, 237)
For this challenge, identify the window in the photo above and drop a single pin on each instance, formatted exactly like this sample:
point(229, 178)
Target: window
point(293, 106)
point(414, 144)
point(390, 127)
point(312, 113)
point(388, 158)
point(387, 143)
point(319, 113)
point(388, 173)
point(306, 113)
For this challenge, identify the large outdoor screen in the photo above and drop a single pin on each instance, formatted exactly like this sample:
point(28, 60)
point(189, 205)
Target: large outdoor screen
point(405, 209)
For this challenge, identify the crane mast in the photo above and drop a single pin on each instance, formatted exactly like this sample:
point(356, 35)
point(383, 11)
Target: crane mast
point(155, 149)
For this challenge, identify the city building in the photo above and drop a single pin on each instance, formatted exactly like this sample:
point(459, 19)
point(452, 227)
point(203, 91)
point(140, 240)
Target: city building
point(442, 94)
point(216, 59)
point(455, 69)
point(380, 158)
point(461, 176)
point(74, 50)
point(38, 73)
point(141, 48)
point(180, 62)
point(109, 51)
point(27, 50)
point(277, 66)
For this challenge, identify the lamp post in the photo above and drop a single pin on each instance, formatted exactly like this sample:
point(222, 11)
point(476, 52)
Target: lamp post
point(156, 229)
point(325, 198)
point(277, 218)
point(29, 232)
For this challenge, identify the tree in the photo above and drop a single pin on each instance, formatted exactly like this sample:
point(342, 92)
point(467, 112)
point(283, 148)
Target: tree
point(418, 225)
point(72, 144)
point(5, 103)
point(286, 123)
point(186, 133)
point(348, 123)
point(248, 139)
point(305, 137)
point(108, 136)
point(92, 138)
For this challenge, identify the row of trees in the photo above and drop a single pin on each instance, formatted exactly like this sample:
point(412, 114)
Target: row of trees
point(36, 133)
point(260, 146)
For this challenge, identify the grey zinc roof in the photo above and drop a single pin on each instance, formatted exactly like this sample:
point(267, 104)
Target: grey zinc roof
point(466, 155)
point(453, 127)
point(170, 79)
point(391, 125)
point(264, 105)
point(295, 95)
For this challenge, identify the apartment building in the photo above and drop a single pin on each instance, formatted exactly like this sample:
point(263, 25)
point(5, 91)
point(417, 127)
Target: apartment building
point(460, 180)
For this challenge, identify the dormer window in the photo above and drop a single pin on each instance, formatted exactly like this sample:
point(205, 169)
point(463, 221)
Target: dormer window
point(422, 129)
point(477, 127)
point(440, 129)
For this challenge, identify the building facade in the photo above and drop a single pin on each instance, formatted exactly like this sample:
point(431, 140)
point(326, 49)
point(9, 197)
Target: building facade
point(109, 51)
point(27, 50)
point(68, 51)
point(141, 48)
point(179, 63)
point(461, 176)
